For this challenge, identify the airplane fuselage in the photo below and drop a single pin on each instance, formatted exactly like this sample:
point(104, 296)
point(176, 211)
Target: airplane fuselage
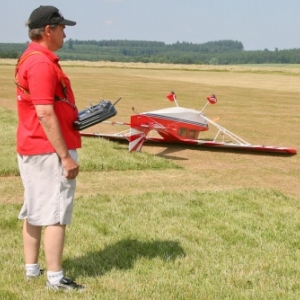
point(173, 123)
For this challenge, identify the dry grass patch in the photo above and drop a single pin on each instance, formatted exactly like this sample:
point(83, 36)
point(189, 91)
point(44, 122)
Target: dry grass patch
point(261, 107)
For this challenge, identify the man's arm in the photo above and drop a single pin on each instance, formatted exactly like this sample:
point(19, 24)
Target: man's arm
point(51, 126)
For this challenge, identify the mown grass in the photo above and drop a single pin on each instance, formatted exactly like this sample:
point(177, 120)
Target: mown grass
point(223, 245)
point(8, 159)
point(171, 223)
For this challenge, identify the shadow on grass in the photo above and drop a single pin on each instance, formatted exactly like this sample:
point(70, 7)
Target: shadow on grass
point(166, 153)
point(122, 255)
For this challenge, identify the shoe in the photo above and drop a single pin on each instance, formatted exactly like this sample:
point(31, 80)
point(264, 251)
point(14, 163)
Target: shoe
point(65, 284)
point(33, 276)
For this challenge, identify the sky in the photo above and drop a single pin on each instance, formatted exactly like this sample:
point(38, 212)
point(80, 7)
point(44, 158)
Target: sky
point(257, 24)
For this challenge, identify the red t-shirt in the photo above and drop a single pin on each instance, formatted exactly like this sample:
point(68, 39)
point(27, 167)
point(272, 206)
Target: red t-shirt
point(40, 75)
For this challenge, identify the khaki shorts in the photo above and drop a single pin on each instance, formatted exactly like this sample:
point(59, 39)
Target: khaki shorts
point(48, 195)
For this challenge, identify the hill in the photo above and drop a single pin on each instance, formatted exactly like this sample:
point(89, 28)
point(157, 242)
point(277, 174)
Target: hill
point(224, 52)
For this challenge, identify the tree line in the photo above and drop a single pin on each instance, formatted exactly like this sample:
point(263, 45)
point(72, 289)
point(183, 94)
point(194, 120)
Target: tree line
point(224, 52)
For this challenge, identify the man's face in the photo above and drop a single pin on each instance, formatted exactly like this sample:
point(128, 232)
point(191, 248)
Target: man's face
point(57, 36)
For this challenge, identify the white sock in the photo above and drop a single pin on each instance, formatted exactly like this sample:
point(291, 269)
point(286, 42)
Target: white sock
point(32, 269)
point(55, 277)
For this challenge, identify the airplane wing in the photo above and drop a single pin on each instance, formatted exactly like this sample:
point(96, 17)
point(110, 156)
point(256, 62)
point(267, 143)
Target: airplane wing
point(233, 146)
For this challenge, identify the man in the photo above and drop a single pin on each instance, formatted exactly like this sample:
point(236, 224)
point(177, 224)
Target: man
point(46, 146)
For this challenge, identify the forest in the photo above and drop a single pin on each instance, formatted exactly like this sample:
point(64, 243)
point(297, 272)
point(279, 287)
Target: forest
point(223, 52)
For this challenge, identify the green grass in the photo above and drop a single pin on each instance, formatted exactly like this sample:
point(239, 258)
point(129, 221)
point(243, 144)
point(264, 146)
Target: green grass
point(223, 245)
point(171, 223)
point(8, 159)
point(96, 154)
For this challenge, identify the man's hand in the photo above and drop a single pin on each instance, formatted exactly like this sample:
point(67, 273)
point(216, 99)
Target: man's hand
point(71, 168)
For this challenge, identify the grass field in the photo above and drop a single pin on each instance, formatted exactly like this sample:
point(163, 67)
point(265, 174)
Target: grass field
point(172, 222)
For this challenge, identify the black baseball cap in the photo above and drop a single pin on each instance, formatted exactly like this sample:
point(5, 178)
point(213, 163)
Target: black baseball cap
point(47, 15)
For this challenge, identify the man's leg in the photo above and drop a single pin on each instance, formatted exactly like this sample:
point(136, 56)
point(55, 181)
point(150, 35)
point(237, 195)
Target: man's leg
point(31, 242)
point(54, 239)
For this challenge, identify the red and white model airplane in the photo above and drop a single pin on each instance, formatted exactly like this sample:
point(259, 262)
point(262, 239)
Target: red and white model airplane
point(182, 125)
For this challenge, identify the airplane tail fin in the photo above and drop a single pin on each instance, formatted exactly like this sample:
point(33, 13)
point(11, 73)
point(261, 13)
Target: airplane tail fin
point(137, 138)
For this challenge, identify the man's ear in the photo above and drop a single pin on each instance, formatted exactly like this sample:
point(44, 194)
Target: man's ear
point(47, 29)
